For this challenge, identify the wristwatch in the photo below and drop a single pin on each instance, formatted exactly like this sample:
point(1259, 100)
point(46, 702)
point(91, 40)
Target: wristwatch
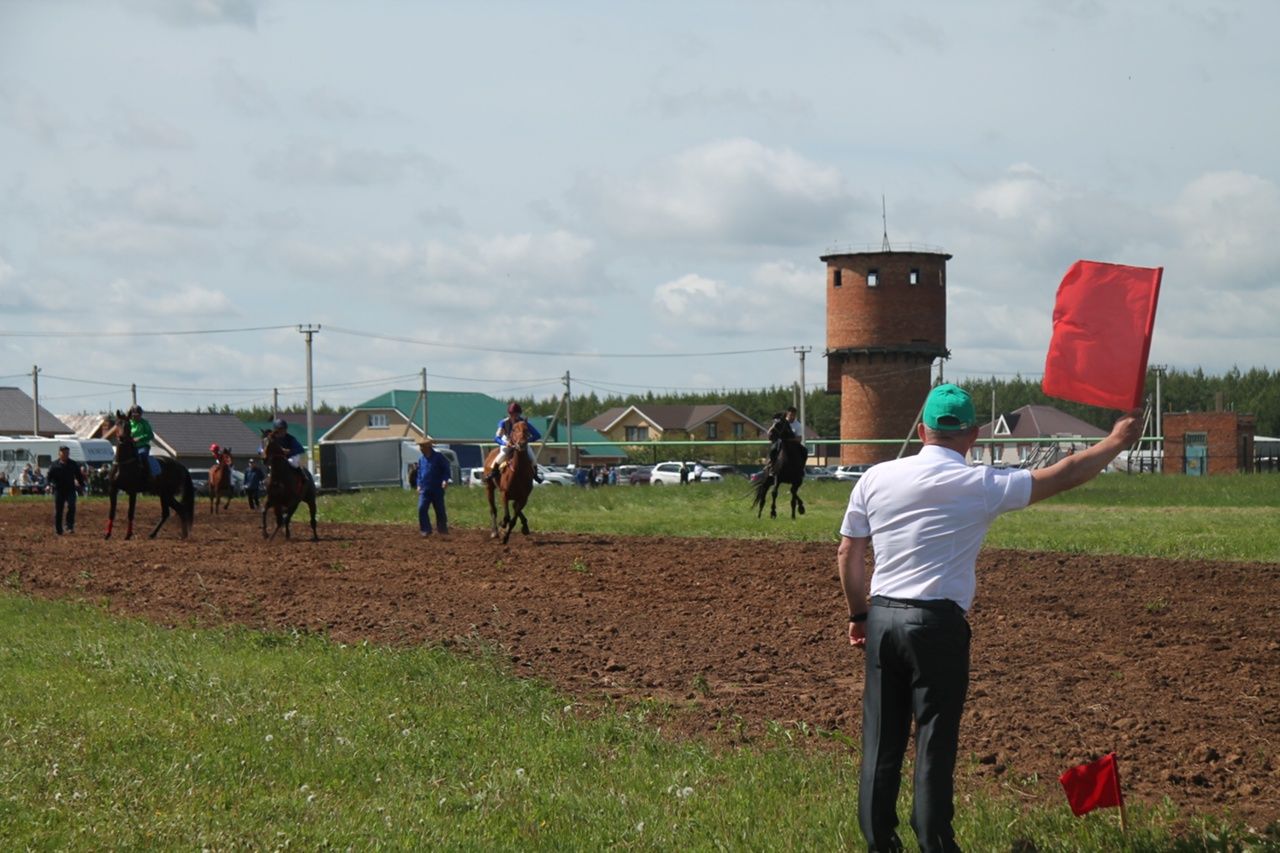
point(858, 617)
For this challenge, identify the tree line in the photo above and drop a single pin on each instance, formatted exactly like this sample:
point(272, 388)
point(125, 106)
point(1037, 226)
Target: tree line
point(1255, 391)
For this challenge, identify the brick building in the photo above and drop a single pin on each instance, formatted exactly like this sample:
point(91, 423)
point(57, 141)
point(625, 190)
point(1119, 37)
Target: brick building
point(886, 323)
point(1200, 443)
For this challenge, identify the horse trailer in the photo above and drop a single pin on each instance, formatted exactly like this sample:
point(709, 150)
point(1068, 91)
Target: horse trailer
point(17, 452)
point(373, 463)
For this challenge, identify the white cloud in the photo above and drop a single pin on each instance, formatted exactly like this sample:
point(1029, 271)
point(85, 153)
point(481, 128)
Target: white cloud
point(731, 191)
point(135, 131)
point(735, 100)
point(781, 299)
point(1225, 229)
point(126, 297)
point(159, 202)
point(120, 237)
point(325, 164)
point(204, 13)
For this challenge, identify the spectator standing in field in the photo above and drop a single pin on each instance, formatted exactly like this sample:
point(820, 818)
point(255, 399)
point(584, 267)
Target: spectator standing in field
point(253, 477)
point(433, 478)
point(925, 517)
point(27, 480)
point(66, 479)
point(698, 471)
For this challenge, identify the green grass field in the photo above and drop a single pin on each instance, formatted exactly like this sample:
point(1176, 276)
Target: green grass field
point(1215, 518)
point(118, 734)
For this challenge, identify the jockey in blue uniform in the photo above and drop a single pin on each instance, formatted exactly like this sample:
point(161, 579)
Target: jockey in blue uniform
point(503, 437)
point(292, 447)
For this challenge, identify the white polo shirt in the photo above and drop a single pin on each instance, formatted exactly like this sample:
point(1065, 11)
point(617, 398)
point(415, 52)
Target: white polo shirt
point(927, 516)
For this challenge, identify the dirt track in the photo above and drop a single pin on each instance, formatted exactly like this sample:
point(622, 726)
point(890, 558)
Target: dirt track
point(1171, 664)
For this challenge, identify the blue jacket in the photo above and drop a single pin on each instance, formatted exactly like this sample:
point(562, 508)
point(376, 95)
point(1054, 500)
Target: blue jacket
point(253, 479)
point(291, 446)
point(504, 430)
point(433, 472)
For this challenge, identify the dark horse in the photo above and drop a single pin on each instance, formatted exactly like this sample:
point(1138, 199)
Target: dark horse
point(787, 468)
point(516, 482)
point(128, 475)
point(220, 486)
point(286, 488)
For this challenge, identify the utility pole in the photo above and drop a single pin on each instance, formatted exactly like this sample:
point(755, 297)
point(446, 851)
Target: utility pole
point(309, 331)
point(35, 398)
point(1159, 369)
point(275, 404)
point(424, 403)
point(804, 424)
point(133, 393)
point(568, 417)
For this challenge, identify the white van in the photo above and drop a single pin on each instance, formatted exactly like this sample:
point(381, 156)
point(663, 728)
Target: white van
point(17, 452)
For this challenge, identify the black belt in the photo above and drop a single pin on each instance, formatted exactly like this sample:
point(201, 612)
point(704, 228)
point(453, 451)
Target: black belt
point(942, 605)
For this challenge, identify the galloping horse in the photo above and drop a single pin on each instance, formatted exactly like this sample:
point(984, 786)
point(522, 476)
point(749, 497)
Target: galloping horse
point(220, 485)
point(516, 482)
point(286, 488)
point(128, 475)
point(787, 468)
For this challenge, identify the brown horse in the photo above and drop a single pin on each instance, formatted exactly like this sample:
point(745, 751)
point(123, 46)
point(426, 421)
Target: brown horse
point(516, 482)
point(220, 486)
point(173, 485)
point(286, 488)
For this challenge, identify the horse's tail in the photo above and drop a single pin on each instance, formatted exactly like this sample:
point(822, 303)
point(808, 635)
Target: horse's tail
point(761, 496)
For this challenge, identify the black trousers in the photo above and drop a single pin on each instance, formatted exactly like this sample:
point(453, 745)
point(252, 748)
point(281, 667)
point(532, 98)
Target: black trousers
point(63, 500)
point(917, 669)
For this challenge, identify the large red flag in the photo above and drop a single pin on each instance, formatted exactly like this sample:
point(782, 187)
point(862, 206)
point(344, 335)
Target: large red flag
point(1093, 786)
point(1102, 323)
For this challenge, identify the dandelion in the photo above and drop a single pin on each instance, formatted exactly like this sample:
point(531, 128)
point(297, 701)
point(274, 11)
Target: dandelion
point(685, 792)
point(269, 738)
point(640, 827)
point(311, 798)
point(289, 715)
point(519, 772)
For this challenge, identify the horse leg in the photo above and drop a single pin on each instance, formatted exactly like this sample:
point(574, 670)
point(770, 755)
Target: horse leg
point(165, 500)
point(133, 501)
point(797, 505)
point(266, 508)
point(493, 511)
point(111, 514)
point(773, 504)
point(311, 504)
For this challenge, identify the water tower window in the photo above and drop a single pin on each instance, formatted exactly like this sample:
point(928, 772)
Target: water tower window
point(873, 278)
point(913, 277)
point(835, 277)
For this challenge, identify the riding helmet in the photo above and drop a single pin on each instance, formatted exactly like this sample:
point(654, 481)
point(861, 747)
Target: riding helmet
point(281, 423)
point(514, 409)
point(135, 410)
point(214, 448)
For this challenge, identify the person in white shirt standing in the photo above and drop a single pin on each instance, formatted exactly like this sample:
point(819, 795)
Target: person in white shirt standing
point(925, 517)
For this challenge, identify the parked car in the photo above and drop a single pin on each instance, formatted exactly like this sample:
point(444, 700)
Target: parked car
point(554, 477)
point(200, 479)
point(820, 472)
point(725, 471)
point(639, 476)
point(668, 473)
point(625, 472)
point(474, 477)
point(851, 473)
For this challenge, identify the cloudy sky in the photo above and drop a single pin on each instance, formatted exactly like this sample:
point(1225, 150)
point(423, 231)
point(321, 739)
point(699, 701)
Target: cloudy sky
point(501, 192)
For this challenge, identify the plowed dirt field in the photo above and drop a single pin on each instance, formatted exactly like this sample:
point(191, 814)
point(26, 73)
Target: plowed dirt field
point(1174, 665)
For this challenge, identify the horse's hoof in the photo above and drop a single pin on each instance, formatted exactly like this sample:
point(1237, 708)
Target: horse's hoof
point(800, 509)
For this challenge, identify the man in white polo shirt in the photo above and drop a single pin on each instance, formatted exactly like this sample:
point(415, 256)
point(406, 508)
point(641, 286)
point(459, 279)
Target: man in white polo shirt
point(925, 517)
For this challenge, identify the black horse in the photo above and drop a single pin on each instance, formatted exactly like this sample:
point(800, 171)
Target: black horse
point(128, 475)
point(787, 468)
point(286, 488)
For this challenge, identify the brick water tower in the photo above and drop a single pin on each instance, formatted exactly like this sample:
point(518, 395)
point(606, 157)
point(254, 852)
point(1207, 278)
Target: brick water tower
point(886, 323)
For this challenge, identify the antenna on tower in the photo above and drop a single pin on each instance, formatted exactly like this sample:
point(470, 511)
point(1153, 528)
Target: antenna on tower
point(884, 219)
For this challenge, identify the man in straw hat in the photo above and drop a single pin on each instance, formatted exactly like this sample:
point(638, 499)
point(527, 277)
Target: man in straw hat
point(434, 475)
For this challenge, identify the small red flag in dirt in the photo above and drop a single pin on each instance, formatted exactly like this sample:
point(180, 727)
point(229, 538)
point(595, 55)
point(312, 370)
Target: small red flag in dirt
point(1102, 324)
point(1093, 786)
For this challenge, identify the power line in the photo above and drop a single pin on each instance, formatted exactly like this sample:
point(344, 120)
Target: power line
point(10, 334)
point(404, 340)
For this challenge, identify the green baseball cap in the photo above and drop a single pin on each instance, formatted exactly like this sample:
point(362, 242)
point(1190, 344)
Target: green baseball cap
point(949, 408)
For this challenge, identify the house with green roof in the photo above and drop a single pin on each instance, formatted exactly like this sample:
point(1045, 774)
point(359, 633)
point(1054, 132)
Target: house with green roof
point(583, 454)
point(464, 420)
